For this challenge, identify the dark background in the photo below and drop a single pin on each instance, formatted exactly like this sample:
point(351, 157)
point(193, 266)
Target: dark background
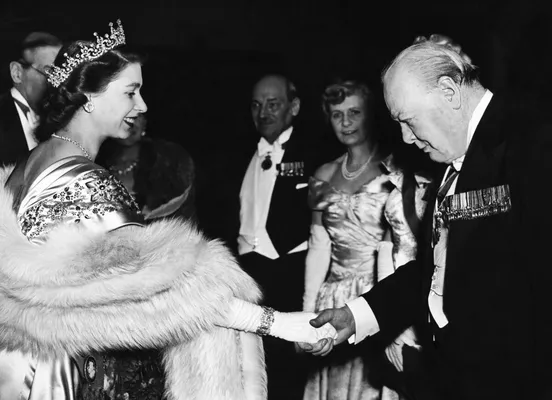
point(205, 55)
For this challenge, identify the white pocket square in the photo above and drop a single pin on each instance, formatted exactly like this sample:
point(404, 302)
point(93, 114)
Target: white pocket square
point(301, 185)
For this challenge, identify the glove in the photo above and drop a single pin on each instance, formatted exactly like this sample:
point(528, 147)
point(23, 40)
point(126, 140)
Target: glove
point(292, 327)
point(295, 327)
point(316, 265)
point(385, 263)
point(403, 239)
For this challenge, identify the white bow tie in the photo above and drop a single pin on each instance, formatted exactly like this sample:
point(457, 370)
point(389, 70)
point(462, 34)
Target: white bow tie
point(263, 147)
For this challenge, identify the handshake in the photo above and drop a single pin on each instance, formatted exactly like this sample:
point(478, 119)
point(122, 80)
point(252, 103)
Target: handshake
point(316, 334)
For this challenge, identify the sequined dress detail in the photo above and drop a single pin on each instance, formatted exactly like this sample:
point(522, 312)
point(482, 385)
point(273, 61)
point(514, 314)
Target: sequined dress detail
point(73, 190)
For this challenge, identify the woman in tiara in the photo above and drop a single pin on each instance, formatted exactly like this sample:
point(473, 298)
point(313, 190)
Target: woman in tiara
point(80, 273)
point(362, 230)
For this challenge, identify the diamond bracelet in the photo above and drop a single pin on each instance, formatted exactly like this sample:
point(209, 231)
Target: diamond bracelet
point(267, 318)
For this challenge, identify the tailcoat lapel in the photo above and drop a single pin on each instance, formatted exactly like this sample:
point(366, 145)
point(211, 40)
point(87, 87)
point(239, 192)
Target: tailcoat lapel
point(13, 144)
point(482, 169)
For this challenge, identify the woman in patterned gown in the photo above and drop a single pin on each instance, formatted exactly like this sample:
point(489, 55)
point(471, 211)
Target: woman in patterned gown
point(358, 213)
point(80, 274)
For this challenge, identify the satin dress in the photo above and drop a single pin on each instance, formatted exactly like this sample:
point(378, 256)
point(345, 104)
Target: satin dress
point(71, 191)
point(356, 223)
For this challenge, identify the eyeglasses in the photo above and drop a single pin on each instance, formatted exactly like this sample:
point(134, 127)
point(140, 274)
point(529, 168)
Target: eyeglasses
point(26, 64)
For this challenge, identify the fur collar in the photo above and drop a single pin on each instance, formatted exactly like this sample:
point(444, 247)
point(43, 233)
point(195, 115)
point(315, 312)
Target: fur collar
point(163, 285)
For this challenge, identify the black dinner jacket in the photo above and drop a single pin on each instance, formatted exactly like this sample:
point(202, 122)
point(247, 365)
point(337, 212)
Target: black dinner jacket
point(13, 145)
point(498, 283)
point(289, 216)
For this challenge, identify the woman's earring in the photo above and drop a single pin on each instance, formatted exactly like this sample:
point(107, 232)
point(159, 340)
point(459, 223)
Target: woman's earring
point(89, 106)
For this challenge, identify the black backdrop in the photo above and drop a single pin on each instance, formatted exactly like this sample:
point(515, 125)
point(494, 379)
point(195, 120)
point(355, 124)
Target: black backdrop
point(204, 56)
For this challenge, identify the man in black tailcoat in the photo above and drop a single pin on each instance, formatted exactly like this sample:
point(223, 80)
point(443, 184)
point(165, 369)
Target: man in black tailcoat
point(270, 198)
point(480, 289)
point(20, 107)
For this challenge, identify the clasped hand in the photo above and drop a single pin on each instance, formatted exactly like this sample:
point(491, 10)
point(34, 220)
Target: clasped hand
point(341, 319)
point(296, 327)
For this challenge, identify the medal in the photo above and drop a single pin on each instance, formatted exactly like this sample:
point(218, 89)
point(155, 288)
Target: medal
point(471, 205)
point(477, 203)
point(296, 168)
point(438, 224)
point(267, 163)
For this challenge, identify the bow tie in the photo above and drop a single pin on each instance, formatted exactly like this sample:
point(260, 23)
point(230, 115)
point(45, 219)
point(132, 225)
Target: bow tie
point(263, 147)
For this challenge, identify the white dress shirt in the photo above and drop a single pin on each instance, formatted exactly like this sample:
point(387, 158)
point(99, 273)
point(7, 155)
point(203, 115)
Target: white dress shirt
point(365, 320)
point(255, 195)
point(29, 120)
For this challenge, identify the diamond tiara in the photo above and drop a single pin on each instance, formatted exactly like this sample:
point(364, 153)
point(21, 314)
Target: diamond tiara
point(57, 75)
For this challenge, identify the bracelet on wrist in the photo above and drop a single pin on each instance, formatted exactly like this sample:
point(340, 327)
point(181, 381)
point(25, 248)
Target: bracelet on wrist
point(267, 319)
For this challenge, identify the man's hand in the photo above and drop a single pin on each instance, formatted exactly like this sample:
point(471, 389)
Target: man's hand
point(394, 350)
point(341, 319)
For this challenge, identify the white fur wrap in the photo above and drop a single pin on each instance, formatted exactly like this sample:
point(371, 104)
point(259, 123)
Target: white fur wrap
point(162, 286)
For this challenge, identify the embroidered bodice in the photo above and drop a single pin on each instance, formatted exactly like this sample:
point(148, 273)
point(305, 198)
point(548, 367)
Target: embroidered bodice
point(74, 190)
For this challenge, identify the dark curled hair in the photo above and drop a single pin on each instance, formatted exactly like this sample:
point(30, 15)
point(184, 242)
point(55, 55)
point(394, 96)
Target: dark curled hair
point(337, 92)
point(94, 76)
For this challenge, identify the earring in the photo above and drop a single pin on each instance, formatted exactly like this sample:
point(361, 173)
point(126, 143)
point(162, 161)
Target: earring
point(88, 107)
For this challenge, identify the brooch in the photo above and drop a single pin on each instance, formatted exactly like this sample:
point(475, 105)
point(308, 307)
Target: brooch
point(90, 367)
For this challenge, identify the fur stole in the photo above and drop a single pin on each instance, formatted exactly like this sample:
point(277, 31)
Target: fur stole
point(163, 286)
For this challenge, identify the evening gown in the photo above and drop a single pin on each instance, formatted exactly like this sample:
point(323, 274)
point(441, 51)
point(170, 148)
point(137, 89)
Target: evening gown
point(87, 199)
point(356, 223)
point(68, 191)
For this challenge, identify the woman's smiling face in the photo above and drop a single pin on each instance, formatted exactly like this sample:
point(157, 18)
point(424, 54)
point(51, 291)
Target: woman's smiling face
point(116, 109)
point(348, 120)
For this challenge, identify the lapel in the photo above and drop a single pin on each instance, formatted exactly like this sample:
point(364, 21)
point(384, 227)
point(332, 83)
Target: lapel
point(425, 248)
point(482, 168)
point(293, 148)
point(12, 138)
point(289, 216)
point(291, 153)
point(285, 192)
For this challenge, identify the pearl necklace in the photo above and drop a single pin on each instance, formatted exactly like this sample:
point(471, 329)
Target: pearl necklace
point(80, 146)
point(355, 174)
point(124, 171)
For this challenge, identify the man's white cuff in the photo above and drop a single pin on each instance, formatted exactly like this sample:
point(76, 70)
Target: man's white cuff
point(366, 323)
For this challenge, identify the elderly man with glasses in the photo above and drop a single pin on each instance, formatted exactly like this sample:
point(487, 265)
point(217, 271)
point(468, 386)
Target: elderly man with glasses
point(20, 107)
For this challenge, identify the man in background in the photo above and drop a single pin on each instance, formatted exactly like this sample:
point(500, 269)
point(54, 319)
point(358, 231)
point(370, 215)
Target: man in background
point(20, 107)
point(274, 218)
